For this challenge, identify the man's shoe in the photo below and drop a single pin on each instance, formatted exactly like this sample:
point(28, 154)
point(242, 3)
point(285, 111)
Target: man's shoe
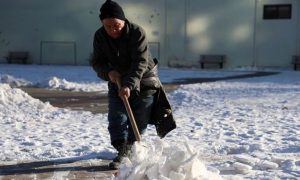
point(114, 165)
point(123, 151)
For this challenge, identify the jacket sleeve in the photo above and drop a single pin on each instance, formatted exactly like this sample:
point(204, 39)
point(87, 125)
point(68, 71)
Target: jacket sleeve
point(139, 56)
point(99, 61)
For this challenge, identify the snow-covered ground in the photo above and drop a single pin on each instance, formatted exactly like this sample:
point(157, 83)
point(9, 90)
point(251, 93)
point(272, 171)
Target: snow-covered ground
point(243, 128)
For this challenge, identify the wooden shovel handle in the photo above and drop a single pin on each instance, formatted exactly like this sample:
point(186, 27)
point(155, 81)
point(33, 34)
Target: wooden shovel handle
point(130, 114)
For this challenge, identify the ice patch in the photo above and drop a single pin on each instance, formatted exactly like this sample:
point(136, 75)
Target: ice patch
point(288, 165)
point(246, 159)
point(242, 168)
point(264, 164)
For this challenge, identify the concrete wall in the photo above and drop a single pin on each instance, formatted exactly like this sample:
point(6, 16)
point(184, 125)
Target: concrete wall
point(61, 31)
point(221, 27)
point(234, 28)
point(151, 16)
point(276, 40)
point(175, 32)
point(48, 29)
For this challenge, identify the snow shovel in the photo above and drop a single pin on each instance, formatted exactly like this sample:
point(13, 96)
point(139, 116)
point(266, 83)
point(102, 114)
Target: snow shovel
point(130, 114)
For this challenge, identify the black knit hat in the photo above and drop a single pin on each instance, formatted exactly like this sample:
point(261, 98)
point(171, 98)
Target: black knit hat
point(111, 9)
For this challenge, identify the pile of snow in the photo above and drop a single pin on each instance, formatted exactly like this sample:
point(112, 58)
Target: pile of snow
point(55, 83)
point(63, 84)
point(15, 102)
point(14, 82)
point(160, 160)
point(33, 130)
point(84, 79)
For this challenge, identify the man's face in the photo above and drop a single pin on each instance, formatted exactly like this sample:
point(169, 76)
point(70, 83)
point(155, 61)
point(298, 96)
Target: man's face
point(113, 27)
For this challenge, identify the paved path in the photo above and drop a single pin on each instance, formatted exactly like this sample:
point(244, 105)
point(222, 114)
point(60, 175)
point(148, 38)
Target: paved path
point(88, 101)
point(70, 169)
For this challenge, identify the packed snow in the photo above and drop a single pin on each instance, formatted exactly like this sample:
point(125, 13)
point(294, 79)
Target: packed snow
point(233, 129)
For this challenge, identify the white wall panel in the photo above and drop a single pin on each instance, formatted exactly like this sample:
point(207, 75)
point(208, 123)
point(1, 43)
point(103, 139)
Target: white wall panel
point(221, 27)
point(276, 39)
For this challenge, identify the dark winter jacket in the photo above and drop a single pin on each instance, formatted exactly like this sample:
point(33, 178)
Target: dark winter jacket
point(129, 55)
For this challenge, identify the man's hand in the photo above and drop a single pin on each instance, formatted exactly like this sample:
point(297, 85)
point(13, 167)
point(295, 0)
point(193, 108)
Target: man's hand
point(114, 76)
point(124, 91)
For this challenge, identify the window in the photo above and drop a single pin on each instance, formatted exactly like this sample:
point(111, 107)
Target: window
point(277, 11)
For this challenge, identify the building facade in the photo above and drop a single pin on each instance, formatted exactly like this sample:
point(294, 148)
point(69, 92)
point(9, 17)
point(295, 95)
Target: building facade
point(262, 33)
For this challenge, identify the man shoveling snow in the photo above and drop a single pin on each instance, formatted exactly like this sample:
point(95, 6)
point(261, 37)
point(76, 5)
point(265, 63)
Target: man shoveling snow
point(121, 54)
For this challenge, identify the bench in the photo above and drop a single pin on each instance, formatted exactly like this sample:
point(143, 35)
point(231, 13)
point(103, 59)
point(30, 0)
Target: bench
point(17, 57)
point(212, 59)
point(296, 62)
